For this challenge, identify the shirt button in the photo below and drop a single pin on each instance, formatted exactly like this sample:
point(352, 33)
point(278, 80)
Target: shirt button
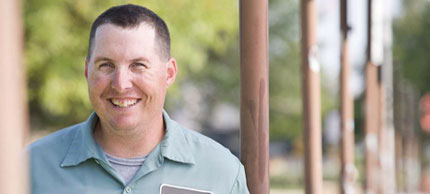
point(127, 189)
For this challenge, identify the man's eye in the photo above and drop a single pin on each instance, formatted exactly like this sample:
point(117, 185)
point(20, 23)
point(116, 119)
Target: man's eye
point(139, 65)
point(106, 65)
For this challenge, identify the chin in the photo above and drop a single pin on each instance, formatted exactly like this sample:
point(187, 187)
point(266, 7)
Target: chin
point(124, 123)
point(124, 127)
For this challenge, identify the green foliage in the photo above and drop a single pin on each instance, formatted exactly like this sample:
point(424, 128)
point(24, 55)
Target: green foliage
point(285, 72)
point(54, 56)
point(412, 44)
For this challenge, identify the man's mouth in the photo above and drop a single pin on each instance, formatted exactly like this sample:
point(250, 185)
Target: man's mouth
point(124, 103)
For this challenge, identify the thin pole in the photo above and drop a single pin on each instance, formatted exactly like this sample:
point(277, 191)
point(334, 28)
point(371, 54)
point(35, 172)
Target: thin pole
point(346, 110)
point(13, 119)
point(372, 113)
point(254, 94)
point(387, 153)
point(311, 99)
point(371, 129)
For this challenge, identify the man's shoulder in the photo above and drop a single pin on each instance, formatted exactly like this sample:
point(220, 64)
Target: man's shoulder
point(57, 140)
point(197, 139)
point(207, 149)
point(213, 160)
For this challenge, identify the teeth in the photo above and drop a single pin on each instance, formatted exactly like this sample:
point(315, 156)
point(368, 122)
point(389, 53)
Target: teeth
point(124, 103)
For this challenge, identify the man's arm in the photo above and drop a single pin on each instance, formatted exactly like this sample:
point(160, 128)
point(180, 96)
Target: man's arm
point(239, 186)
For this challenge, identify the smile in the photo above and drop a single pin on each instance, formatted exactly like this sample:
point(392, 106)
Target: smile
point(124, 103)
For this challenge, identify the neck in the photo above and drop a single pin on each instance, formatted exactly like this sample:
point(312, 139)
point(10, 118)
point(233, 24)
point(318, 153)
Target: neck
point(129, 143)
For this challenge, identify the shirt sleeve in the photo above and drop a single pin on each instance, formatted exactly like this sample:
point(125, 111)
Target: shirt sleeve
point(239, 186)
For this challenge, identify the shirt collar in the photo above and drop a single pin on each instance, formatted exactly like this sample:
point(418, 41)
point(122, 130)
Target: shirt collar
point(174, 145)
point(83, 146)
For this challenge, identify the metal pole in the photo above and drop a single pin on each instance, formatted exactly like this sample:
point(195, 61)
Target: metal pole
point(406, 115)
point(13, 119)
point(311, 99)
point(346, 109)
point(412, 150)
point(387, 135)
point(254, 94)
point(372, 117)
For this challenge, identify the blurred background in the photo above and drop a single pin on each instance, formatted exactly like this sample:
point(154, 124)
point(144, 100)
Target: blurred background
point(205, 97)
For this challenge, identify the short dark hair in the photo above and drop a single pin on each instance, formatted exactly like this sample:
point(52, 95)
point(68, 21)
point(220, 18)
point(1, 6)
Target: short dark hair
point(129, 16)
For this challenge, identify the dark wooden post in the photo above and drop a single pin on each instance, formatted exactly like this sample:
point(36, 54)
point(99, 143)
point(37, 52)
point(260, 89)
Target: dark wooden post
point(254, 94)
point(311, 98)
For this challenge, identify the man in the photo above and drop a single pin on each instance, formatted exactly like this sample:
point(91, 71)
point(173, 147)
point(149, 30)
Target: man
point(130, 145)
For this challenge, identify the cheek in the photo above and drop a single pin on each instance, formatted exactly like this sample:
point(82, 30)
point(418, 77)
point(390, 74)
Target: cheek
point(151, 81)
point(151, 88)
point(97, 83)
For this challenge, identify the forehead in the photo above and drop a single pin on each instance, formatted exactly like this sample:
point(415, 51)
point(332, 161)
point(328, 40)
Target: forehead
point(113, 39)
point(112, 28)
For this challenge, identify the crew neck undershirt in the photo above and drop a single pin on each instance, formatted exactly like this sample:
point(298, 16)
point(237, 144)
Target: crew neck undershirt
point(126, 167)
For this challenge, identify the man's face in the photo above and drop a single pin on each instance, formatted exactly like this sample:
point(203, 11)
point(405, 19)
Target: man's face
point(127, 80)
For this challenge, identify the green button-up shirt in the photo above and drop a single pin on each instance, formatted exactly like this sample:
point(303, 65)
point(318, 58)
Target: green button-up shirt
point(70, 161)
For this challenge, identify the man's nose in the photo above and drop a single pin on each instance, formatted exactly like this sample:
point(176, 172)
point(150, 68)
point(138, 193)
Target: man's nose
point(121, 80)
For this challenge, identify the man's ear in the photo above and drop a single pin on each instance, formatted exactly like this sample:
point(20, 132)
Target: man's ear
point(86, 68)
point(171, 71)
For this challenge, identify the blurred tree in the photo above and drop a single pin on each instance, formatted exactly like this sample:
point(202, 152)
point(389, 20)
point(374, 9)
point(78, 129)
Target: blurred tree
point(412, 44)
point(285, 72)
point(412, 80)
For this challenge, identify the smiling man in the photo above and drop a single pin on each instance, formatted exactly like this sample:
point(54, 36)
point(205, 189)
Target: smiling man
point(129, 144)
